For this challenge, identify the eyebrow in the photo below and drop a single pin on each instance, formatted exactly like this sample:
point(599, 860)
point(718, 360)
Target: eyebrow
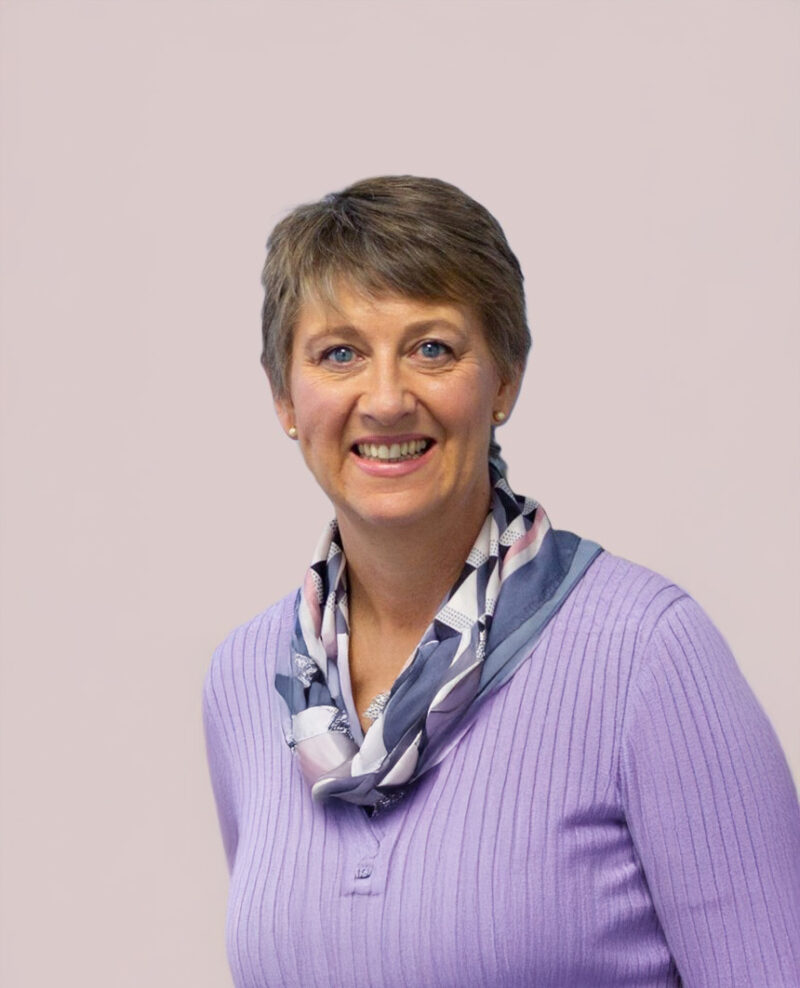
point(348, 331)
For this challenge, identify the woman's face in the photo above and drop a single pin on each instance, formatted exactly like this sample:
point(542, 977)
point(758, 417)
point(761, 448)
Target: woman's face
point(393, 400)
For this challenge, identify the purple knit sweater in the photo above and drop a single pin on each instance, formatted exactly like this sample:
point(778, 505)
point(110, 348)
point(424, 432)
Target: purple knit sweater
point(620, 813)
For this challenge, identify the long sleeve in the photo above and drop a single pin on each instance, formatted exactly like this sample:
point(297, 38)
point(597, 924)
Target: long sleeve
point(220, 762)
point(712, 810)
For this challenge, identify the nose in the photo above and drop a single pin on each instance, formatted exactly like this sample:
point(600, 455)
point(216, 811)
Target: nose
point(386, 398)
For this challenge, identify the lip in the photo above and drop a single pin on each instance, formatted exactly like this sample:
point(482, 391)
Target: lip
point(378, 468)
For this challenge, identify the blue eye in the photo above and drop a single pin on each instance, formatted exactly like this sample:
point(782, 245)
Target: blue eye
point(340, 355)
point(433, 348)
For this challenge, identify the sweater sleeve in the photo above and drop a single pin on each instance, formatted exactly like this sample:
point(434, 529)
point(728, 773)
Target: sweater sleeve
point(220, 762)
point(712, 809)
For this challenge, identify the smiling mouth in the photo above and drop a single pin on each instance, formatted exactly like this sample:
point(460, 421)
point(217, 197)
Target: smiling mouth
point(393, 452)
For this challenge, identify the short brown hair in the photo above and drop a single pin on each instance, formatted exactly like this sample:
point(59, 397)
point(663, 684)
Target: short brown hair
point(419, 238)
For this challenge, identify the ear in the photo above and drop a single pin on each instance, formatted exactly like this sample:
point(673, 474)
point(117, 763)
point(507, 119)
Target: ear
point(507, 394)
point(285, 412)
point(284, 409)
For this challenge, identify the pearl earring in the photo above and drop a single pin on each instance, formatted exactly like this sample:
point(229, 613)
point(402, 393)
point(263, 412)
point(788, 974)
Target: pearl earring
point(499, 416)
point(292, 432)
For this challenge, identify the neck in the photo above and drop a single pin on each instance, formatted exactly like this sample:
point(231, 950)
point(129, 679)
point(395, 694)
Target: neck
point(397, 578)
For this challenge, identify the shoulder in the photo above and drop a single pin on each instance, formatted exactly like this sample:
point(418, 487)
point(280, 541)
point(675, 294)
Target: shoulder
point(676, 666)
point(251, 645)
point(653, 637)
point(624, 597)
point(667, 630)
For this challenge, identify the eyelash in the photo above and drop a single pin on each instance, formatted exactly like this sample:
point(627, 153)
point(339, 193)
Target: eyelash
point(445, 349)
point(327, 355)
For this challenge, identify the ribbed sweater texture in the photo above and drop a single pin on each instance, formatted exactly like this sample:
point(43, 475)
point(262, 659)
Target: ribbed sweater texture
point(620, 813)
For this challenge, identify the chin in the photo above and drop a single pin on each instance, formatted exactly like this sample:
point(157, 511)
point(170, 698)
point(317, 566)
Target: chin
point(390, 513)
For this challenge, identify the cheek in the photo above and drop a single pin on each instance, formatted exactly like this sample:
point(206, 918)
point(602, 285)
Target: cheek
point(468, 407)
point(310, 404)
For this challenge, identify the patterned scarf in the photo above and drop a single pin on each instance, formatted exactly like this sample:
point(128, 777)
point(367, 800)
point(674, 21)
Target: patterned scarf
point(516, 576)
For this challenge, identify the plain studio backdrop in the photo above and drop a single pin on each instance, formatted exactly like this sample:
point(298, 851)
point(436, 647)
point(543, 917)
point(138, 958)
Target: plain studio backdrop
point(643, 158)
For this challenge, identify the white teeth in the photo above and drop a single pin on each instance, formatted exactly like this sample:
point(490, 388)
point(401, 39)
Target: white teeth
point(394, 452)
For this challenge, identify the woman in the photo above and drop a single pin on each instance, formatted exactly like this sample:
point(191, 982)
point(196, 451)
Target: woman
point(472, 750)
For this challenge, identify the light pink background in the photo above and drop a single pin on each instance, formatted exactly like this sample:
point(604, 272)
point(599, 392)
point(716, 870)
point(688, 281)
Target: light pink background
point(644, 161)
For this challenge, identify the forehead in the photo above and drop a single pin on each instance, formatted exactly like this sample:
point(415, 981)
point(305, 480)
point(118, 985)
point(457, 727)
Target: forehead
point(348, 305)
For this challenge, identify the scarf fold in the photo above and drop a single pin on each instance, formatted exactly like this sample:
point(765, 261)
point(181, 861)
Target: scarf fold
point(516, 576)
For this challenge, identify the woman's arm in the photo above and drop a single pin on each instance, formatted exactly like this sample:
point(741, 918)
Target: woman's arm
point(712, 810)
point(220, 761)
